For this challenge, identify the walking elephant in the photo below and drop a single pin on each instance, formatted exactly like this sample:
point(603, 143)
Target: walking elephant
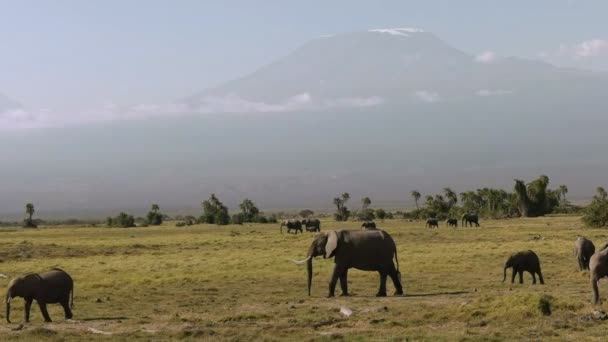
point(368, 225)
point(523, 261)
point(432, 222)
point(367, 250)
point(470, 219)
point(48, 287)
point(312, 224)
point(583, 249)
point(295, 225)
point(452, 222)
point(598, 268)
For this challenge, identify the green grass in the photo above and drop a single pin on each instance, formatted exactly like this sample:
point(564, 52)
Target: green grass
point(237, 283)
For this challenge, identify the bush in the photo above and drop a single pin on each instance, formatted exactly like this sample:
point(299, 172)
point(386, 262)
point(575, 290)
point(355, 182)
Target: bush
point(29, 223)
point(237, 219)
point(306, 213)
point(181, 224)
point(123, 220)
point(273, 219)
point(596, 214)
point(366, 215)
point(381, 214)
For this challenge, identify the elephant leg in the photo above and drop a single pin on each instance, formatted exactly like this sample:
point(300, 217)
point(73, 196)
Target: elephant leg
point(333, 280)
point(344, 283)
point(540, 277)
point(521, 276)
point(28, 306)
point(513, 275)
point(382, 289)
point(65, 303)
point(44, 312)
point(581, 263)
point(394, 274)
point(533, 278)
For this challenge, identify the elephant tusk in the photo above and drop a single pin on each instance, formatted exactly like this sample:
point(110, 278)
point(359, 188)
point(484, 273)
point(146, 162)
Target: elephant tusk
point(302, 261)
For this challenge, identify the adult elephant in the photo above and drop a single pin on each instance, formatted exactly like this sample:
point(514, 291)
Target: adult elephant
point(598, 268)
point(368, 225)
point(583, 249)
point(312, 224)
point(432, 222)
point(523, 261)
point(367, 250)
point(452, 222)
point(292, 224)
point(48, 287)
point(470, 219)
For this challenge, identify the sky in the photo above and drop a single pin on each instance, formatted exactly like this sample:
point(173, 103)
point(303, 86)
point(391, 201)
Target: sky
point(88, 56)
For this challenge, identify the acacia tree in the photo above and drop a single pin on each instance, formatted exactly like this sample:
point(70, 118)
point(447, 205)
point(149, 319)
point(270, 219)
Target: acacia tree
point(305, 213)
point(342, 212)
point(214, 211)
point(563, 190)
point(155, 217)
point(416, 196)
point(249, 210)
point(29, 211)
point(365, 202)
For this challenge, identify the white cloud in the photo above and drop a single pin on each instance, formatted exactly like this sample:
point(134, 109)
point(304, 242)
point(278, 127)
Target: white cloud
point(592, 48)
point(426, 96)
point(398, 31)
point(486, 57)
point(493, 92)
point(23, 118)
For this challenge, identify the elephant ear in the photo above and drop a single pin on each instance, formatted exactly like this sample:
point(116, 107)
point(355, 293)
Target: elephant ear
point(331, 245)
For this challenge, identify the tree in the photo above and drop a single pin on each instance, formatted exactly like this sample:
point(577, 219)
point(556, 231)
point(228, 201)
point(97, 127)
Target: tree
point(214, 211)
point(123, 220)
point(416, 196)
point(596, 214)
point(451, 196)
point(306, 213)
point(365, 202)
point(563, 190)
point(342, 212)
point(154, 217)
point(380, 214)
point(29, 211)
point(249, 210)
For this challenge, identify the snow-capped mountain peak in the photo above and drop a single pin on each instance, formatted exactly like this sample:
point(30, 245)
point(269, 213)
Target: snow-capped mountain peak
point(398, 31)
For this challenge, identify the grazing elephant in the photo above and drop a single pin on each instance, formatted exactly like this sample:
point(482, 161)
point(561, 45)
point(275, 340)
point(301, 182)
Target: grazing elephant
point(296, 225)
point(470, 219)
point(452, 222)
point(432, 222)
point(48, 287)
point(583, 249)
point(367, 250)
point(598, 268)
point(368, 225)
point(523, 261)
point(312, 224)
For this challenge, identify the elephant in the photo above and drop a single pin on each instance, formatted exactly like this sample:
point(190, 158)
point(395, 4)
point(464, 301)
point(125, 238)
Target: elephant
point(312, 224)
point(598, 268)
point(452, 222)
point(367, 250)
point(296, 225)
point(523, 261)
point(470, 219)
point(47, 287)
point(432, 222)
point(368, 225)
point(583, 249)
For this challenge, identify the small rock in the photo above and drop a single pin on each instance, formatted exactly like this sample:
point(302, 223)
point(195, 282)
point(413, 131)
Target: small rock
point(346, 312)
point(600, 315)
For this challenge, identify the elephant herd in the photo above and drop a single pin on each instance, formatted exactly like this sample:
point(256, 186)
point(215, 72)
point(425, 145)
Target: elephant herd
point(311, 225)
point(467, 220)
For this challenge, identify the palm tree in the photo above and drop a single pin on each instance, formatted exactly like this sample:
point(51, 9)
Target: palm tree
point(523, 201)
point(563, 190)
point(29, 210)
point(451, 196)
point(155, 208)
point(365, 202)
point(416, 196)
point(345, 197)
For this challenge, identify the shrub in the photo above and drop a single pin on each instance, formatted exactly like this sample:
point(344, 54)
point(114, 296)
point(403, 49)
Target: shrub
point(306, 213)
point(181, 224)
point(596, 214)
point(123, 220)
point(366, 215)
point(237, 219)
point(381, 214)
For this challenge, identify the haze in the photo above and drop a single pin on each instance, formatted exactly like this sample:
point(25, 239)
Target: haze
point(115, 105)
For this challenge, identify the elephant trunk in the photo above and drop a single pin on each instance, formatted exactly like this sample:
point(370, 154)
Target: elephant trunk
point(8, 307)
point(309, 270)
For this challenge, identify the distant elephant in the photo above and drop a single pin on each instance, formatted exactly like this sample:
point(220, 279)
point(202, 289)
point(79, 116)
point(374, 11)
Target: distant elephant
point(598, 268)
point(523, 261)
point(583, 249)
point(367, 250)
point(48, 287)
point(452, 222)
point(296, 225)
point(368, 225)
point(312, 224)
point(432, 222)
point(470, 219)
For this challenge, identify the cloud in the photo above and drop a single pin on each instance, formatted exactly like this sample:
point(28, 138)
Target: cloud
point(486, 57)
point(27, 118)
point(592, 48)
point(426, 96)
point(398, 31)
point(493, 92)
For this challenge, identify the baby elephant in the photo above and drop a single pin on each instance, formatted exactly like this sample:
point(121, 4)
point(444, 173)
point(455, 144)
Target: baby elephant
point(584, 249)
point(523, 261)
point(452, 222)
point(432, 222)
point(48, 287)
point(368, 225)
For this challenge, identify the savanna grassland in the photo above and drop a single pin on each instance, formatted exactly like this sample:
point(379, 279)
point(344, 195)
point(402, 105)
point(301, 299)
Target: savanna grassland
point(237, 283)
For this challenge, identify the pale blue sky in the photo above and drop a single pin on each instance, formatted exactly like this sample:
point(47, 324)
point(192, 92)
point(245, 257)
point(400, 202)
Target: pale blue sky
point(67, 55)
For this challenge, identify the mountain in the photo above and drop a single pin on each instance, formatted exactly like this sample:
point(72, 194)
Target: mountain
point(7, 104)
point(376, 113)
